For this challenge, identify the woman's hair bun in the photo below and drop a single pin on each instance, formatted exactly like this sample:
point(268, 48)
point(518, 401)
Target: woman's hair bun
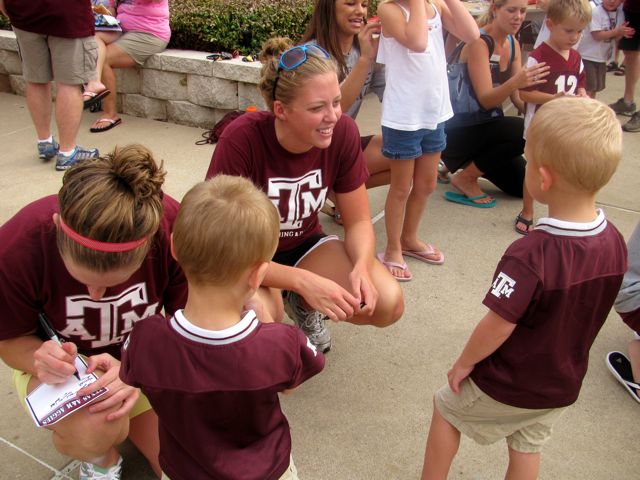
point(274, 47)
point(134, 167)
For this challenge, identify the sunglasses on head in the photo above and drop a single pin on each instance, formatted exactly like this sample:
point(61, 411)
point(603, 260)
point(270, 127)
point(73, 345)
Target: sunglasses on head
point(296, 56)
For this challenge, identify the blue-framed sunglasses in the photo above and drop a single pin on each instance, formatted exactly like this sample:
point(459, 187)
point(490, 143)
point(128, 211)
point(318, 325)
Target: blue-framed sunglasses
point(296, 56)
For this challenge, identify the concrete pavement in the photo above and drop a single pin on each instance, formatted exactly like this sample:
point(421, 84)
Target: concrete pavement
point(366, 416)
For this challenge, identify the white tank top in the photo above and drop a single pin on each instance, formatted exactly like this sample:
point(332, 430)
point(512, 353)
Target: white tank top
point(417, 90)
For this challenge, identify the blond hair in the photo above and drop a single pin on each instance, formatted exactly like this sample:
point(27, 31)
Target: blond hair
point(578, 138)
point(225, 225)
point(289, 82)
point(488, 16)
point(561, 10)
point(116, 198)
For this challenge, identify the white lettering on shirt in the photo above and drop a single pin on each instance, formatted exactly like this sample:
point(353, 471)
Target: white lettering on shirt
point(306, 196)
point(503, 285)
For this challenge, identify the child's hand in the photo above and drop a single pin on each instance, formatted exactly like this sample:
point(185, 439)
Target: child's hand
point(625, 30)
point(457, 374)
point(560, 94)
point(530, 76)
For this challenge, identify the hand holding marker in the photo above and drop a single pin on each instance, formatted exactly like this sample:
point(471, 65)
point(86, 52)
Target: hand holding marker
point(51, 333)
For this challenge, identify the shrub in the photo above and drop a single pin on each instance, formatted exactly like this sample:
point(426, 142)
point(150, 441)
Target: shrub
point(227, 25)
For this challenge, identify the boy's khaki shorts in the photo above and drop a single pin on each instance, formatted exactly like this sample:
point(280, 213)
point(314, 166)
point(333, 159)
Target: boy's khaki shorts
point(486, 420)
point(291, 473)
point(70, 61)
point(21, 381)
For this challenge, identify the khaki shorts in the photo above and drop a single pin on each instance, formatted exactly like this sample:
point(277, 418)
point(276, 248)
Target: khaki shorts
point(486, 420)
point(21, 381)
point(140, 45)
point(291, 473)
point(596, 73)
point(70, 61)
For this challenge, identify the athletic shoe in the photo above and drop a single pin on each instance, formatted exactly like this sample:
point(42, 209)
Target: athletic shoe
point(79, 155)
point(89, 471)
point(623, 108)
point(620, 367)
point(311, 322)
point(48, 150)
point(633, 125)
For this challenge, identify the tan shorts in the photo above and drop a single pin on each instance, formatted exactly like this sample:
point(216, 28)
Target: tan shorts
point(291, 473)
point(70, 61)
point(486, 420)
point(140, 45)
point(21, 381)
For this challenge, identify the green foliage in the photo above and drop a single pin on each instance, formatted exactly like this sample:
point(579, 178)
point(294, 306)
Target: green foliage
point(211, 25)
point(227, 25)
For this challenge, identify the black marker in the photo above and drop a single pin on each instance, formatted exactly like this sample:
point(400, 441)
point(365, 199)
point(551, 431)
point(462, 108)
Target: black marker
point(51, 333)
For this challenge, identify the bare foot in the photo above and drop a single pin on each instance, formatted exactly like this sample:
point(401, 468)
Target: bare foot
point(422, 251)
point(524, 223)
point(469, 186)
point(94, 86)
point(396, 265)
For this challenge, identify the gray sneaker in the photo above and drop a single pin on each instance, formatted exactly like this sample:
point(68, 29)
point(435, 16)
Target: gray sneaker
point(623, 108)
point(633, 125)
point(79, 155)
point(311, 322)
point(48, 150)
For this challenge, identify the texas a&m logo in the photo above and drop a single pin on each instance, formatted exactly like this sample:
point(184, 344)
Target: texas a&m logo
point(106, 321)
point(503, 285)
point(297, 198)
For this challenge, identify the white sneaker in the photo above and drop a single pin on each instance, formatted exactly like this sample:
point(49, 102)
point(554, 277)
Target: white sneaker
point(89, 471)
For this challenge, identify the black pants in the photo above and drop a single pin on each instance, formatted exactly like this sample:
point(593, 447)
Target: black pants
point(494, 147)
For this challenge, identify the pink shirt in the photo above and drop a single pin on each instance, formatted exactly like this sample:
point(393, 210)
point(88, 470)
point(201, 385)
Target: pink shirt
point(146, 16)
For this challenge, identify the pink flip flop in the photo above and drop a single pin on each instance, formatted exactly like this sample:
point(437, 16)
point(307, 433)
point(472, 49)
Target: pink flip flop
point(390, 265)
point(424, 256)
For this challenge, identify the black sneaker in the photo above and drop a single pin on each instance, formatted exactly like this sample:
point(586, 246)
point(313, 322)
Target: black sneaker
point(633, 125)
point(621, 369)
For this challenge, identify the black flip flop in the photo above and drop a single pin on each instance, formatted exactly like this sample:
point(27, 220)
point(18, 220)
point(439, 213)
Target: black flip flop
point(110, 124)
point(94, 97)
point(527, 224)
point(620, 367)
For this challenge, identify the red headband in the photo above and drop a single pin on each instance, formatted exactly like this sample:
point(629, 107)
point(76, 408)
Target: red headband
point(97, 245)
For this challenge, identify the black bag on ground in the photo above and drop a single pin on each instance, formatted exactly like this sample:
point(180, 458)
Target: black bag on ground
point(213, 135)
point(466, 108)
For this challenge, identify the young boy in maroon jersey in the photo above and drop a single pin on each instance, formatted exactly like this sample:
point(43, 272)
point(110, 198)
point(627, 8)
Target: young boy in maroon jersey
point(213, 372)
point(565, 20)
point(552, 290)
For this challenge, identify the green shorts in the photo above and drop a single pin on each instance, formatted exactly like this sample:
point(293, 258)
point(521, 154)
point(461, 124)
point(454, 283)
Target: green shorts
point(486, 420)
point(70, 61)
point(21, 381)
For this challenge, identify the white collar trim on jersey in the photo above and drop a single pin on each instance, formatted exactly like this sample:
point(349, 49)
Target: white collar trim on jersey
point(573, 229)
point(240, 330)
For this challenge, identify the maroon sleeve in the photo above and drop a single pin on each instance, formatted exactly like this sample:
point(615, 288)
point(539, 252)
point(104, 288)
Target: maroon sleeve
point(175, 293)
point(582, 76)
point(515, 286)
point(127, 357)
point(353, 169)
point(632, 319)
point(232, 154)
point(310, 363)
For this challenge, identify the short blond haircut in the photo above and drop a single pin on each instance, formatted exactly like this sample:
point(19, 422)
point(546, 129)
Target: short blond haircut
point(578, 138)
point(561, 10)
point(225, 226)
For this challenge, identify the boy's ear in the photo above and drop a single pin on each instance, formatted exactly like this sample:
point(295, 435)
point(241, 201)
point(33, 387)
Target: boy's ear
point(173, 252)
point(549, 23)
point(546, 178)
point(257, 275)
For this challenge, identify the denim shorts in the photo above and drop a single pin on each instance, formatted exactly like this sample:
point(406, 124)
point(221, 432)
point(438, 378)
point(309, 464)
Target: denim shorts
point(403, 145)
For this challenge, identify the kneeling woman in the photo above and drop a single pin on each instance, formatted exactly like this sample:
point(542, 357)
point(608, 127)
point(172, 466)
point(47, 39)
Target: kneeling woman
point(94, 259)
point(296, 152)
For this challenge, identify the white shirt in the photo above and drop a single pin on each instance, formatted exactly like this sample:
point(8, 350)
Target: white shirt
point(601, 20)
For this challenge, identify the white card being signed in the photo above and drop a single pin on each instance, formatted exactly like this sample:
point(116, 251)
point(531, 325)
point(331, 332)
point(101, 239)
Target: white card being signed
point(51, 403)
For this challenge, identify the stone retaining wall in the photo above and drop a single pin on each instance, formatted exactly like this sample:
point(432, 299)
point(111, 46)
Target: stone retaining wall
point(179, 86)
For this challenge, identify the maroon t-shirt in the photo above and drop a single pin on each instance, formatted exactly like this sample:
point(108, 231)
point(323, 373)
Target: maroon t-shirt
point(297, 184)
point(67, 19)
point(216, 393)
point(34, 279)
point(557, 285)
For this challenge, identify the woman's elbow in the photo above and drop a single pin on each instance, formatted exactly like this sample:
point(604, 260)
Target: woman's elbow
point(472, 34)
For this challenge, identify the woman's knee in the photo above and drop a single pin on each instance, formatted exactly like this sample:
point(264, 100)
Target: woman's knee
point(390, 306)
